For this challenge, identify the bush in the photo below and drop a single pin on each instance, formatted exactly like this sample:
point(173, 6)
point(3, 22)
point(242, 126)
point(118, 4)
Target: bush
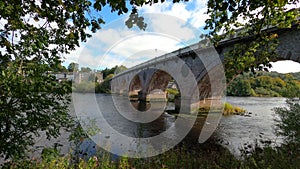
point(103, 87)
point(231, 109)
point(84, 87)
point(172, 93)
point(288, 124)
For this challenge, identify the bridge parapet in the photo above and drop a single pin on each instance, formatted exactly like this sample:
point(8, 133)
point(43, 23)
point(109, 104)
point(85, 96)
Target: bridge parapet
point(159, 59)
point(198, 59)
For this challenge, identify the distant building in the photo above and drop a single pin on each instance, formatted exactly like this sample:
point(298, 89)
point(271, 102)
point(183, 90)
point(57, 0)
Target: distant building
point(78, 77)
point(81, 77)
point(99, 76)
point(64, 76)
point(88, 76)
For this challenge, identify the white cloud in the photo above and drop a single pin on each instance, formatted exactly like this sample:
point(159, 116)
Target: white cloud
point(179, 10)
point(192, 12)
point(115, 44)
point(291, 6)
point(142, 42)
point(73, 55)
point(129, 51)
point(87, 59)
point(198, 17)
point(111, 60)
point(156, 8)
point(286, 66)
point(172, 26)
point(111, 36)
point(168, 27)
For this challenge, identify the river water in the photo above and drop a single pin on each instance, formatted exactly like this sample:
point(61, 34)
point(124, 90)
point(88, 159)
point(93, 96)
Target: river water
point(237, 132)
point(233, 132)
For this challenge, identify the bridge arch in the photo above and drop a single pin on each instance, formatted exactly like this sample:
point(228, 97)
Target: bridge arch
point(159, 80)
point(205, 66)
point(149, 84)
point(135, 86)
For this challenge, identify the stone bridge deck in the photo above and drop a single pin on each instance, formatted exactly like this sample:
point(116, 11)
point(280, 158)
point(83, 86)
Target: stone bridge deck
point(195, 66)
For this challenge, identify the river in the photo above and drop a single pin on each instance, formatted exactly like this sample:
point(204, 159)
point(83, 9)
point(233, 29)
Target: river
point(236, 132)
point(233, 132)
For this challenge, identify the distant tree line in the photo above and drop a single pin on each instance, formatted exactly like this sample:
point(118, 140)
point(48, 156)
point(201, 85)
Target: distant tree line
point(104, 87)
point(270, 84)
point(75, 67)
point(115, 70)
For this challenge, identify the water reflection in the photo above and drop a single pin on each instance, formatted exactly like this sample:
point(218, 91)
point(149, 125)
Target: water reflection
point(141, 106)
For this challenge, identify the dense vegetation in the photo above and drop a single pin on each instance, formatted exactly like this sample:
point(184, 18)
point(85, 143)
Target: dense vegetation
point(114, 70)
point(271, 84)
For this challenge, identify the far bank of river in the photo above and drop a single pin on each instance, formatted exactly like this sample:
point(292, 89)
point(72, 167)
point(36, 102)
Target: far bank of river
point(234, 132)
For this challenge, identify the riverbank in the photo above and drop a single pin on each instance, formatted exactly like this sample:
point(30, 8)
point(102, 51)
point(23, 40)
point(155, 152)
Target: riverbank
point(208, 155)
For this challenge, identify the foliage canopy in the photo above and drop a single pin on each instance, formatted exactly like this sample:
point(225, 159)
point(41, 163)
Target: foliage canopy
point(249, 19)
point(33, 37)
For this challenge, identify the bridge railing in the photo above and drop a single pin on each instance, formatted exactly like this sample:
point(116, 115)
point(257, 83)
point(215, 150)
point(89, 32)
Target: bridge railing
point(161, 58)
point(192, 47)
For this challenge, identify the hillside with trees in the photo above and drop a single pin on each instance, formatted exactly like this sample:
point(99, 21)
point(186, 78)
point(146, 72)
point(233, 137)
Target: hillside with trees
point(270, 84)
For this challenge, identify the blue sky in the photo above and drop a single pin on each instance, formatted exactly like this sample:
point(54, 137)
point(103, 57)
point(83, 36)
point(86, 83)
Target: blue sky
point(170, 27)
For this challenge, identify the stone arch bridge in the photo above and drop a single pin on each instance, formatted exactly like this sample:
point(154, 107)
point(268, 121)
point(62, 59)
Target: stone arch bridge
point(149, 80)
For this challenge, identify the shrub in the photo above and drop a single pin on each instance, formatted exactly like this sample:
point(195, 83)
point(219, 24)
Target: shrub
point(288, 124)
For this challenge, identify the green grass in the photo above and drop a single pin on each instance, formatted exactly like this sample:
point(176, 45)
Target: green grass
point(172, 93)
point(228, 109)
point(231, 109)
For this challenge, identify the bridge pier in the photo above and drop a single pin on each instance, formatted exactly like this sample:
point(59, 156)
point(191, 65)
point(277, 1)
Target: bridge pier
point(142, 96)
point(152, 96)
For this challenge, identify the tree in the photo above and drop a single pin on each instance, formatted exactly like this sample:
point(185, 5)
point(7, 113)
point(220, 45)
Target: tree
point(73, 67)
point(104, 87)
point(85, 69)
point(120, 69)
point(58, 67)
point(108, 71)
point(248, 19)
point(64, 69)
point(287, 124)
point(239, 87)
point(33, 37)
point(31, 102)
point(115, 70)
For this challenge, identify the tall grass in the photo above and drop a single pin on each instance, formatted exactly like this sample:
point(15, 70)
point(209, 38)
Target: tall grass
point(228, 109)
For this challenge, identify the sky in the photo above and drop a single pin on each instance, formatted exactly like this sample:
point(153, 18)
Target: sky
point(169, 27)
